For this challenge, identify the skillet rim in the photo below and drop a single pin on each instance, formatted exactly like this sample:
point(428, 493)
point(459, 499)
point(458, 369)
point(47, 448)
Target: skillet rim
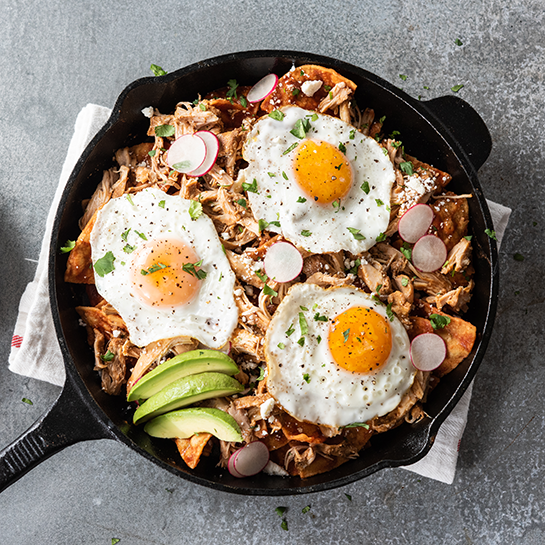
point(424, 110)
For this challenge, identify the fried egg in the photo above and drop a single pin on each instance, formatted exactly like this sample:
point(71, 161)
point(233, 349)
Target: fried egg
point(317, 180)
point(336, 356)
point(164, 271)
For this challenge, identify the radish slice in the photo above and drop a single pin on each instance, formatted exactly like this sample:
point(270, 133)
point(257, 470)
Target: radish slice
point(283, 262)
point(250, 459)
point(212, 148)
point(231, 467)
point(415, 223)
point(187, 153)
point(263, 88)
point(429, 253)
point(428, 351)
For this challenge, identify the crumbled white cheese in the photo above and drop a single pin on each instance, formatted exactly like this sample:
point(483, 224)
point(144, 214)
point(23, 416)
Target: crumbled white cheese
point(225, 235)
point(238, 292)
point(310, 87)
point(116, 333)
point(148, 112)
point(266, 408)
point(274, 469)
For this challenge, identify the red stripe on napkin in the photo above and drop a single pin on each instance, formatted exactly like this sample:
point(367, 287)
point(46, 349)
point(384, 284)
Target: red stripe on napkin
point(16, 341)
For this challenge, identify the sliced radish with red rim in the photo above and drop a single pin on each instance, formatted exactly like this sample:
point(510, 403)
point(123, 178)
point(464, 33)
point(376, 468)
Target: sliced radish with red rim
point(212, 149)
point(283, 262)
point(248, 460)
point(428, 351)
point(429, 253)
point(415, 223)
point(263, 88)
point(186, 153)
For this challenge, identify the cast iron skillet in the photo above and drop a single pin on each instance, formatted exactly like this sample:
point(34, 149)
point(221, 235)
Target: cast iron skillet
point(445, 132)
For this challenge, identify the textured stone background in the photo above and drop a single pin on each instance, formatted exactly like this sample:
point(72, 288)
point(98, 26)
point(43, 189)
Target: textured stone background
point(59, 56)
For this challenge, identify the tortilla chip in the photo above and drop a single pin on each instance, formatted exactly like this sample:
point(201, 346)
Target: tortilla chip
point(292, 81)
point(79, 268)
point(451, 219)
point(296, 430)
point(191, 449)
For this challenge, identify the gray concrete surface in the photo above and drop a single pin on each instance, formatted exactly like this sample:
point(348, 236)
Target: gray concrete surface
point(58, 56)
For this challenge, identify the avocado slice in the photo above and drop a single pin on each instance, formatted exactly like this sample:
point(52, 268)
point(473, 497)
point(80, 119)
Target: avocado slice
point(186, 391)
point(187, 422)
point(189, 363)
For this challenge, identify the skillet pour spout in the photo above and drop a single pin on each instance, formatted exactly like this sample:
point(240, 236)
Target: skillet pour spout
point(446, 131)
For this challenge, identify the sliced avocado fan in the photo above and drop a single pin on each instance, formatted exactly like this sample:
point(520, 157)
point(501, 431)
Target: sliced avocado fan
point(186, 391)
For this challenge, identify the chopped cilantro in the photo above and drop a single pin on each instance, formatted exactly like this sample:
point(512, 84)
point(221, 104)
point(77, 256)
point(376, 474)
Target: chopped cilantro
point(306, 378)
point(303, 324)
point(243, 101)
point(267, 290)
point(109, 356)
point(403, 77)
point(182, 165)
point(141, 235)
point(164, 131)
point(252, 188)
point(379, 202)
point(306, 233)
point(295, 91)
point(290, 330)
point(314, 117)
point(491, 233)
point(356, 233)
point(352, 134)
point(404, 281)
point(284, 525)
point(342, 147)
point(152, 152)
point(365, 187)
point(407, 168)
point(105, 264)
point(242, 202)
point(301, 127)
point(125, 234)
point(456, 88)
point(346, 334)
point(406, 250)
point(195, 210)
point(277, 115)
point(468, 237)
point(192, 270)
point(354, 269)
point(129, 198)
point(154, 268)
point(301, 341)
point(284, 175)
point(68, 246)
point(261, 374)
point(518, 257)
point(322, 318)
point(27, 401)
point(116, 540)
point(438, 321)
point(232, 91)
point(301, 199)
point(161, 204)
point(457, 41)
point(128, 249)
point(349, 497)
point(381, 237)
point(281, 346)
point(157, 71)
point(262, 276)
point(271, 174)
point(389, 312)
point(291, 148)
point(280, 510)
point(305, 509)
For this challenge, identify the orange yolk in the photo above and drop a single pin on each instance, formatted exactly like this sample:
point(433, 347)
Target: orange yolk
point(360, 340)
point(322, 171)
point(158, 278)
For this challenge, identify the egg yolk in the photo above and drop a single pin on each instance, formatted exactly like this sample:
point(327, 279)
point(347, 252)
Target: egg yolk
point(360, 340)
point(322, 171)
point(158, 276)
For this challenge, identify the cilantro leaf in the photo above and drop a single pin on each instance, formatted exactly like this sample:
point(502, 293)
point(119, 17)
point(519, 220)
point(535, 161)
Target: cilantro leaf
point(319, 318)
point(262, 276)
point(301, 341)
point(27, 401)
point(389, 312)
point(352, 134)
point(157, 70)
point(301, 199)
point(381, 237)
point(232, 91)
point(406, 250)
point(306, 378)
point(284, 524)
point(456, 88)
point(243, 101)
point(404, 281)
point(301, 127)
point(191, 269)
point(491, 233)
point(290, 330)
point(195, 210)
point(291, 148)
point(346, 334)
point(303, 324)
point(128, 249)
point(365, 187)
point(457, 41)
point(280, 511)
point(403, 77)
point(68, 246)
point(438, 321)
point(242, 202)
point(356, 233)
point(161, 204)
point(281, 346)
point(141, 235)
point(105, 264)
point(252, 188)
point(305, 509)
point(267, 290)
point(164, 131)
point(109, 356)
point(379, 202)
point(342, 147)
point(407, 168)
point(306, 233)
point(357, 425)
point(277, 115)
point(261, 374)
point(154, 268)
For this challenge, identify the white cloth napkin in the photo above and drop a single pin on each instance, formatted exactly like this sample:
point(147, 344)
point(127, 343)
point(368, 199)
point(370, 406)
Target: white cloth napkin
point(35, 351)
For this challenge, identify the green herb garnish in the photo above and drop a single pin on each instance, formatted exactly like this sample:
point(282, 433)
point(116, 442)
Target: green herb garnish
point(252, 188)
point(164, 130)
point(303, 324)
point(403, 77)
point(306, 233)
point(267, 290)
point(356, 233)
point(242, 202)
point(68, 246)
point(192, 270)
point(105, 264)
point(438, 321)
point(456, 88)
point(301, 127)
point(389, 312)
point(365, 187)
point(407, 168)
point(357, 425)
point(290, 330)
point(232, 91)
point(381, 237)
point(342, 147)
point(277, 115)
point(457, 41)
point(346, 334)
point(195, 210)
point(291, 148)
point(306, 378)
point(109, 356)
point(157, 71)
point(301, 199)
point(319, 318)
point(406, 250)
point(27, 401)
point(491, 233)
point(141, 235)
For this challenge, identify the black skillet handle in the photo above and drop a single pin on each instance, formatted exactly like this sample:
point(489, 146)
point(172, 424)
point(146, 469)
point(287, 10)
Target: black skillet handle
point(66, 423)
point(465, 125)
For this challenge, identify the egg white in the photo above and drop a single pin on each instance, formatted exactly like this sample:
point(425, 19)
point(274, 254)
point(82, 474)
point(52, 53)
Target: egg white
point(276, 199)
point(211, 316)
point(330, 395)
